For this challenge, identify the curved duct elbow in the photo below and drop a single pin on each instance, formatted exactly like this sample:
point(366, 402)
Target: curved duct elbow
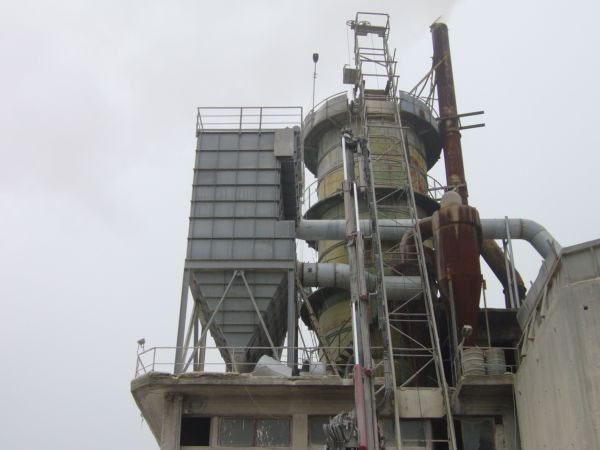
point(338, 275)
point(529, 230)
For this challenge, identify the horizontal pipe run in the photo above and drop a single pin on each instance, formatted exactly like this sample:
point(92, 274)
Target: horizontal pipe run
point(338, 275)
point(335, 229)
point(393, 229)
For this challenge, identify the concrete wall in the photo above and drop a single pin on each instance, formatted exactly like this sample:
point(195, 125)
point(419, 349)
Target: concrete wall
point(558, 382)
point(164, 398)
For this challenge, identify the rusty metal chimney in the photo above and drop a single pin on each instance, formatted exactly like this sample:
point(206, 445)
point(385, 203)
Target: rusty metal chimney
point(450, 126)
point(450, 130)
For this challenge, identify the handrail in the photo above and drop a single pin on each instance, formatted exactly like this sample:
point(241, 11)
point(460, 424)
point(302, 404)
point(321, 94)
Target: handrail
point(326, 99)
point(231, 118)
point(435, 189)
point(160, 359)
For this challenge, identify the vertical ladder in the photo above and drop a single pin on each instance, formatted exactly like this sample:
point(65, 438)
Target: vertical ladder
point(432, 325)
point(381, 57)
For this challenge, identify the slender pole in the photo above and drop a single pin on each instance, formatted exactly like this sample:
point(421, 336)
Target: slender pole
point(315, 59)
point(512, 264)
point(362, 371)
point(485, 310)
point(292, 350)
point(185, 287)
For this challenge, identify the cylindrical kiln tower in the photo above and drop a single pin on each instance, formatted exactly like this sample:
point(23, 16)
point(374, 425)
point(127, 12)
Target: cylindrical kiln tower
point(323, 157)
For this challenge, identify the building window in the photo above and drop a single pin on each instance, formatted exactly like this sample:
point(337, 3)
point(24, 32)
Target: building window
point(254, 432)
point(478, 434)
point(414, 433)
point(195, 431)
point(316, 434)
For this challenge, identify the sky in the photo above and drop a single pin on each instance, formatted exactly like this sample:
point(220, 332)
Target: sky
point(97, 117)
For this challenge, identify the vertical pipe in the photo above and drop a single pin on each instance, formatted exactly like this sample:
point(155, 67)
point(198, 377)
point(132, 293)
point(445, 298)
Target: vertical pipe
point(453, 329)
point(513, 303)
point(513, 286)
point(485, 310)
point(363, 382)
point(291, 320)
point(196, 326)
point(455, 171)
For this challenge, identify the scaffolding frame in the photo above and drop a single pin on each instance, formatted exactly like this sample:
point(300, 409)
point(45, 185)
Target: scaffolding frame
point(368, 60)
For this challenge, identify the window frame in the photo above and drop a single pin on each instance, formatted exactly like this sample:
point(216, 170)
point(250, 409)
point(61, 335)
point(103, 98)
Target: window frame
point(312, 444)
point(254, 420)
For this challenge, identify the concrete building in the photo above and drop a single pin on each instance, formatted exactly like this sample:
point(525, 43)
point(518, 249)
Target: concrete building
point(382, 342)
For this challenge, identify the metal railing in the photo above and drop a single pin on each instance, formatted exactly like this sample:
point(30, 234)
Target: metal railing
point(247, 118)
point(161, 359)
point(311, 114)
point(435, 190)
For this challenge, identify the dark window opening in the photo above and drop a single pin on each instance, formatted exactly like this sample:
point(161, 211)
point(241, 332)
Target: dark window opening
point(478, 433)
point(316, 433)
point(439, 431)
point(195, 431)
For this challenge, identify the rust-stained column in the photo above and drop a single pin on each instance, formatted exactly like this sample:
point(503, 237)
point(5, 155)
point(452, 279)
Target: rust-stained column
point(455, 171)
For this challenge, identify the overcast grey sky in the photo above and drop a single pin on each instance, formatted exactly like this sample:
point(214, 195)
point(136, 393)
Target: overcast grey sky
point(97, 144)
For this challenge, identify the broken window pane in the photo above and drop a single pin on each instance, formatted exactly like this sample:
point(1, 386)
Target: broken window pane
point(250, 432)
point(272, 432)
point(236, 432)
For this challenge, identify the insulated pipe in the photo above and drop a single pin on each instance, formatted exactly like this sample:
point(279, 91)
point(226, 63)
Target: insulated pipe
point(393, 230)
point(525, 229)
point(338, 275)
point(332, 229)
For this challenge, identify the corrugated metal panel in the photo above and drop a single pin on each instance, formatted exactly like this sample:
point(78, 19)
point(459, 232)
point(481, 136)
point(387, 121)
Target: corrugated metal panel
point(236, 222)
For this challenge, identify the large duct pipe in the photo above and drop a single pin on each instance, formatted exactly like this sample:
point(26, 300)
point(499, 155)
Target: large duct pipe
point(528, 230)
point(449, 123)
point(338, 275)
point(393, 229)
point(335, 229)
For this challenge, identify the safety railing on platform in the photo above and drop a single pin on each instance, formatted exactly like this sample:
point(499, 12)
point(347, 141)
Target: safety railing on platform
point(247, 118)
point(161, 359)
point(435, 190)
point(311, 360)
point(310, 115)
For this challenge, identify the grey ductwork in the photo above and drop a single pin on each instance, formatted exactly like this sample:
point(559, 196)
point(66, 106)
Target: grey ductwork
point(531, 231)
point(391, 229)
point(338, 275)
point(316, 230)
